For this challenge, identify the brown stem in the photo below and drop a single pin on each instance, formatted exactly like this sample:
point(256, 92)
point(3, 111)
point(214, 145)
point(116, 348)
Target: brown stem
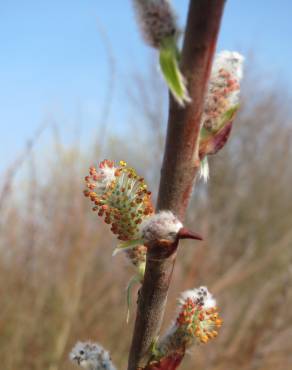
point(180, 166)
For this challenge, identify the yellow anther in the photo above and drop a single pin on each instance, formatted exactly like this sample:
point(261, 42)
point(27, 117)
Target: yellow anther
point(204, 339)
point(218, 322)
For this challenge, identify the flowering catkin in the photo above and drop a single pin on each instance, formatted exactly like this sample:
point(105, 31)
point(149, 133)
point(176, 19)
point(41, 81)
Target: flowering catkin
point(223, 89)
point(91, 356)
point(121, 196)
point(156, 19)
point(197, 322)
point(221, 105)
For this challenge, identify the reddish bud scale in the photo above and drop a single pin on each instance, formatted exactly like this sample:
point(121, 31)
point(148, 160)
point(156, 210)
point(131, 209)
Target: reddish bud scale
point(170, 362)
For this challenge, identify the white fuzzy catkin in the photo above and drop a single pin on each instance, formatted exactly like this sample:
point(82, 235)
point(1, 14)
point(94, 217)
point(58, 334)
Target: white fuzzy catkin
point(223, 89)
point(163, 225)
point(91, 356)
point(200, 296)
point(156, 19)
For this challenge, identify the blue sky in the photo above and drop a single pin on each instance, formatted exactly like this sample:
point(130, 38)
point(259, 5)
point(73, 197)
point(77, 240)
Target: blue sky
point(53, 62)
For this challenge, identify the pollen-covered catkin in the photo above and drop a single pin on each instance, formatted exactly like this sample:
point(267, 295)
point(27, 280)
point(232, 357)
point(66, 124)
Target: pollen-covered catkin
point(120, 196)
point(197, 322)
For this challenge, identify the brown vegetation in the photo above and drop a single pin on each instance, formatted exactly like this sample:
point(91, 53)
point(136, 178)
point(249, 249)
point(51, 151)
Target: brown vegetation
point(59, 283)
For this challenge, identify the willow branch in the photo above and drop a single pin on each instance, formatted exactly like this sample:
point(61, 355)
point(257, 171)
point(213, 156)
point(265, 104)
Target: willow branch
point(179, 170)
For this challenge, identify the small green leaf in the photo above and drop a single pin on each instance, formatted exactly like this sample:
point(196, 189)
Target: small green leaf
point(228, 116)
point(134, 280)
point(154, 350)
point(130, 244)
point(168, 60)
point(204, 133)
point(141, 270)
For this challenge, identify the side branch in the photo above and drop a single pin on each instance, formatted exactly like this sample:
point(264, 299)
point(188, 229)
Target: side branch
point(180, 166)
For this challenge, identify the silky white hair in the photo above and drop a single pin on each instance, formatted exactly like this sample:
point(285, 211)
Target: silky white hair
point(163, 225)
point(91, 356)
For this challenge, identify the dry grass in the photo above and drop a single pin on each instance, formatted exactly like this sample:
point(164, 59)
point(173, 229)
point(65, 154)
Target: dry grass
point(60, 284)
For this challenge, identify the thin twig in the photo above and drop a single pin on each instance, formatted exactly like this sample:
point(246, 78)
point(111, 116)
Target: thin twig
point(14, 167)
point(247, 269)
point(180, 166)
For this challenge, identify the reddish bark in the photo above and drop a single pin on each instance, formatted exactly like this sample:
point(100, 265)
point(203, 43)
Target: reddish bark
point(180, 166)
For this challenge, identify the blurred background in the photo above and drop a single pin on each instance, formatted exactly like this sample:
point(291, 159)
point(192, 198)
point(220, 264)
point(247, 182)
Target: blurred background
point(78, 85)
